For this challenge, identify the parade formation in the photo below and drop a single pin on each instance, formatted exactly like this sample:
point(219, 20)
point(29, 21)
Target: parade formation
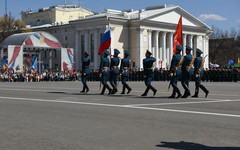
point(181, 67)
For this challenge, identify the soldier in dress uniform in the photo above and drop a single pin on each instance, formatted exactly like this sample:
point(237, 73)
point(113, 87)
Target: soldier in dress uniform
point(85, 72)
point(198, 73)
point(175, 71)
point(114, 70)
point(148, 72)
point(125, 71)
point(187, 71)
point(104, 71)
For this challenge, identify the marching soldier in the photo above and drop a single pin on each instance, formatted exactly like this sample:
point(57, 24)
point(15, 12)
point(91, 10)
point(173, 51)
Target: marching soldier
point(147, 66)
point(187, 71)
point(114, 72)
point(198, 73)
point(104, 71)
point(175, 71)
point(85, 72)
point(125, 66)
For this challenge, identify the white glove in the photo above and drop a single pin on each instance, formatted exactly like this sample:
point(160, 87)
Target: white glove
point(171, 74)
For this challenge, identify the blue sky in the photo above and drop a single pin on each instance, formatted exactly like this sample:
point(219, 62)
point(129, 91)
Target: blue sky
point(224, 14)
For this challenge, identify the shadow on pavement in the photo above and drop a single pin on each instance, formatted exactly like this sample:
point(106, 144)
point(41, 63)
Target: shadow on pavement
point(192, 146)
point(57, 92)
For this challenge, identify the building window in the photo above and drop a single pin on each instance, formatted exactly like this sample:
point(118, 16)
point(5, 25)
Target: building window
point(66, 38)
point(55, 53)
point(65, 30)
point(82, 45)
point(45, 54)
point(56, 67)
point(92, 47)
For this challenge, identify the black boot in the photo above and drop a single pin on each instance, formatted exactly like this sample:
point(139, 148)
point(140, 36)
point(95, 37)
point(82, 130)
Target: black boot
point(173, 94)
point(186, 93)
point(115, 91)
point(83, 90)
point(87, 89)
point(153, 89)
point(196, 92)
point(103, 90)
point(123, 90)
point(205, 90)
point(146, 91)
point(129, 89)
point(109, 89)
point(178, 92)
point(113, 88)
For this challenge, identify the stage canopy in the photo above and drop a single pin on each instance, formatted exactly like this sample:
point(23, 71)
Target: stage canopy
point(32, 40)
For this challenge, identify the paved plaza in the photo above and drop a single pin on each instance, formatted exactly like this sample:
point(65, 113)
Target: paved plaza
point(55, 116)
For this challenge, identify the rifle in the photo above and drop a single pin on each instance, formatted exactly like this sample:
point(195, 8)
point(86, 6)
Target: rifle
point(170, 83)
point(100, 86)
point(169, 86)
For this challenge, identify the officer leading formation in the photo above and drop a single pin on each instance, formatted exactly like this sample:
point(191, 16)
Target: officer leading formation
point(181, 68)
point(148, 73)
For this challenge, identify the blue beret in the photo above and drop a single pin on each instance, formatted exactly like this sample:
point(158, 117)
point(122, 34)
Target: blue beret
point(188, 48)
point(126, 52)
point(116, 51)
point(178, 47)
point(148, 52)
point(106, 52)
point(199, 51)
point(86, 53)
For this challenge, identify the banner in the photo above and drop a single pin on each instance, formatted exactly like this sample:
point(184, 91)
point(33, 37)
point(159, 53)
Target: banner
point(67, 63)
point(15, 57)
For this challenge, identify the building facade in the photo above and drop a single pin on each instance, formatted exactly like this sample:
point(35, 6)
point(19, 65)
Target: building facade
point(151, 28)
point(59, 14)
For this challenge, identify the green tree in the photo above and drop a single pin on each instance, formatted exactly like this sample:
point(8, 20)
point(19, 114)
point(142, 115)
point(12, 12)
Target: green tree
point(9, 26)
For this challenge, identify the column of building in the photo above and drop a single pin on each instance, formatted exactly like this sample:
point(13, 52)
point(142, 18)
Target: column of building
point(156, 45)
point(96, 46)
point(76, 51)
point(140, 47)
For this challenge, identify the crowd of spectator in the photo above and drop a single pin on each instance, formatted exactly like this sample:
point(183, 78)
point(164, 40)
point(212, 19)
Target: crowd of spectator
point(211, 75)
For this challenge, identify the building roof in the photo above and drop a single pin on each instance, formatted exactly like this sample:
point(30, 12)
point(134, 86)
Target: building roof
point(159, 13)
point(34, 39)
point(68, 8)
point(155, 14)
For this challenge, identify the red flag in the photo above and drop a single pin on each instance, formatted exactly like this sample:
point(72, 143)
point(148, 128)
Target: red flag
point(177, 36)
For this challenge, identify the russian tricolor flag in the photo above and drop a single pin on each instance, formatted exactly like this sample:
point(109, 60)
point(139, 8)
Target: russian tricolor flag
point(106, 40)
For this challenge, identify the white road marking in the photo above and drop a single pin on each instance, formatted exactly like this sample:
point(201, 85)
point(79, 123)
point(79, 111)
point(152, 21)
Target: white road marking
point(183, 103)
point(123, 106)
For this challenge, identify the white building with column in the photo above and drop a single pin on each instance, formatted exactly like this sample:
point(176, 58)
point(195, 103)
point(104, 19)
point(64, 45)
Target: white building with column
point(151, 28)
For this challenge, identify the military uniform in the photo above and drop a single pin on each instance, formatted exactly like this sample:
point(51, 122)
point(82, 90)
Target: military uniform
point(104, 71)
point(175, 71)
point(125, 66)
point(85, 72)
point(198, 72)
point(148, 72)
point(187, 71)
point(114, 71)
